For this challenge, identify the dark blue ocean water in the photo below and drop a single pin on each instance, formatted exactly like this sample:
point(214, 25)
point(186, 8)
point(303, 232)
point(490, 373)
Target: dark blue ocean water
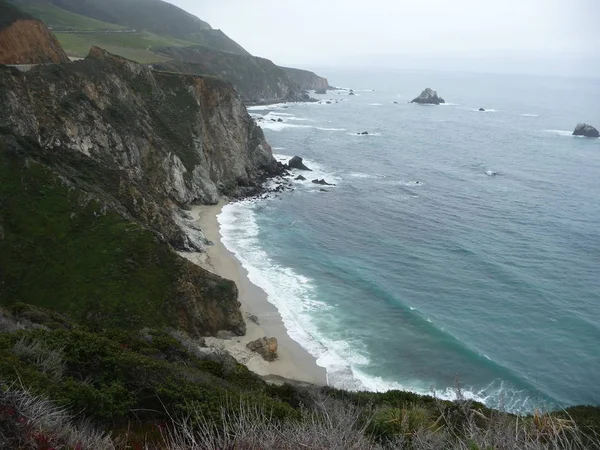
point(487, 269)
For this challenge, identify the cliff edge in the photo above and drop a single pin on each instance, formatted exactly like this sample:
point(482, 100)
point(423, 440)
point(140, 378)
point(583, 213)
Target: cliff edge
point(25, 40)
point(100, 158)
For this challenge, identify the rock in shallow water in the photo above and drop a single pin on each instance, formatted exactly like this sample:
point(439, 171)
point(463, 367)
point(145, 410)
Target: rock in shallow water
point(322, 182)
point(583, 129)
point(430, 97)
point(297, 163)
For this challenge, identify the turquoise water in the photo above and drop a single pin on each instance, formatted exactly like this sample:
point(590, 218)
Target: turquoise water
point(487, 269)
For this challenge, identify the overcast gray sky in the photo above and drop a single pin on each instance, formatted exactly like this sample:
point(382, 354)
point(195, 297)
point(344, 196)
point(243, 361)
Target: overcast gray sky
point(416, 33)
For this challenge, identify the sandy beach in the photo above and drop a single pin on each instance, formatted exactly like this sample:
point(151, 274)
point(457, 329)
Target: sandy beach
point(293, 361)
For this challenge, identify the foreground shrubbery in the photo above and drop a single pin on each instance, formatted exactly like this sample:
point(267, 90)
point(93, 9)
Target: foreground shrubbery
point(64, 386)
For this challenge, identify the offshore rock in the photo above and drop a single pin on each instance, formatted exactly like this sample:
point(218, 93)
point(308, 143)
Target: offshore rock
point(428, 96)
point(297, 163)
point(583, 129)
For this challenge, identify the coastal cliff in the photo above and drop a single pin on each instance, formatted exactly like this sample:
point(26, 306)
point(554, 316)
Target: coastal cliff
point(306, 79)
point(132, 147)
point(257, 80)
point(25, 40)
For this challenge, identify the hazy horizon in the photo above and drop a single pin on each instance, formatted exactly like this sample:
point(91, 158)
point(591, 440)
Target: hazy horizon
point(512, 36)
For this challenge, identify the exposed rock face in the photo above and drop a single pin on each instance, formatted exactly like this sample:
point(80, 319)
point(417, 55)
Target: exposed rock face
point(169, 139)
point(322, 182)
point(24, 40)
point(307, 80)
point(297, 163)
point(265, 347)
point(428, 96)
point(583, 129)
point(298, 178)
point(115, 140)
point(257, 80)
point(481, 109)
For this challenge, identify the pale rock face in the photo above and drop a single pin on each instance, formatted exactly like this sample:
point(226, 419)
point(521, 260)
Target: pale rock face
point(167, 139)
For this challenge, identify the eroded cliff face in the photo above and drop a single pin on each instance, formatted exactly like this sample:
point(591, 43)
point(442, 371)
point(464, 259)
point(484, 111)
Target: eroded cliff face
point(152, 141)
point(306, 79)
point(29, 41)
point(257, 80)
point(98, 161)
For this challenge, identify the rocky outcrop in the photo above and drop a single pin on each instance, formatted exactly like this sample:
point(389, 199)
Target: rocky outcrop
point(482, 109)
point(265, 347)
point(297, 163)
point(428, 96)
point(257, 80)
point(322, 182)
point(100, 156)
point(307, 80)
point(152, 141)
point(583, 129)
point(24, 40)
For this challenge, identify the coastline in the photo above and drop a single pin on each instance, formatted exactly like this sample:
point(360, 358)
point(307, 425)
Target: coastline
point(293, 362)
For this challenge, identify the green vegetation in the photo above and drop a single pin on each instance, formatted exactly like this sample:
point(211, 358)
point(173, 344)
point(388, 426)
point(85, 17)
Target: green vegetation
point(59, 19)
point(134, 46)
point(10, 14)
point(154, 21)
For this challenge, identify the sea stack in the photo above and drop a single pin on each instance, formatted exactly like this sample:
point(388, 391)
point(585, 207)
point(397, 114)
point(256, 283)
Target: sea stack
point(583, 129)
point(428, 97)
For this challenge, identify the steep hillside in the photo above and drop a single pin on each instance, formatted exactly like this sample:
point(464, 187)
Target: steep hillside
point(257, 80)
point(25, 40)
point(158, 128)
point(306, 80)
point(154, 16)
point(98, 158)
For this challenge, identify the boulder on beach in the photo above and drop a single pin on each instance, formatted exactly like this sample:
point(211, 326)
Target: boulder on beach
point(296, 163)
point(583, 129)
point(265, 347)
point(481, 109)
point(322, 182)
point(428, 97)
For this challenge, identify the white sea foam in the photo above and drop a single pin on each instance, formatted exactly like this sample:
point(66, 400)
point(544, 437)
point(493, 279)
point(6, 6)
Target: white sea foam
point(491, 173)
point(330, 129)
point(486, 110)
point(278, 126)
point(375, 104)
point(561, 132)
point(529, 115)
point(296, 299)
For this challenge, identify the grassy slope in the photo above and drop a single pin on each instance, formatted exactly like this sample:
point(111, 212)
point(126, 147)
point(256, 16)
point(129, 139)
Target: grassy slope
point(60, 251)
point(60, 19)
point(134, 46)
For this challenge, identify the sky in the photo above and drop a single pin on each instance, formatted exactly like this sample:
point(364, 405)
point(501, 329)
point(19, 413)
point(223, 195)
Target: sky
point(501, 35)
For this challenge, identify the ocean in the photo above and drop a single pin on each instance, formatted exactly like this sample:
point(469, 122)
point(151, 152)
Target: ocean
point(457, 246)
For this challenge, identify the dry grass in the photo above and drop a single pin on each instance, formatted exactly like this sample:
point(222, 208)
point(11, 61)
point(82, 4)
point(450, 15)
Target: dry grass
point(28, 421)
